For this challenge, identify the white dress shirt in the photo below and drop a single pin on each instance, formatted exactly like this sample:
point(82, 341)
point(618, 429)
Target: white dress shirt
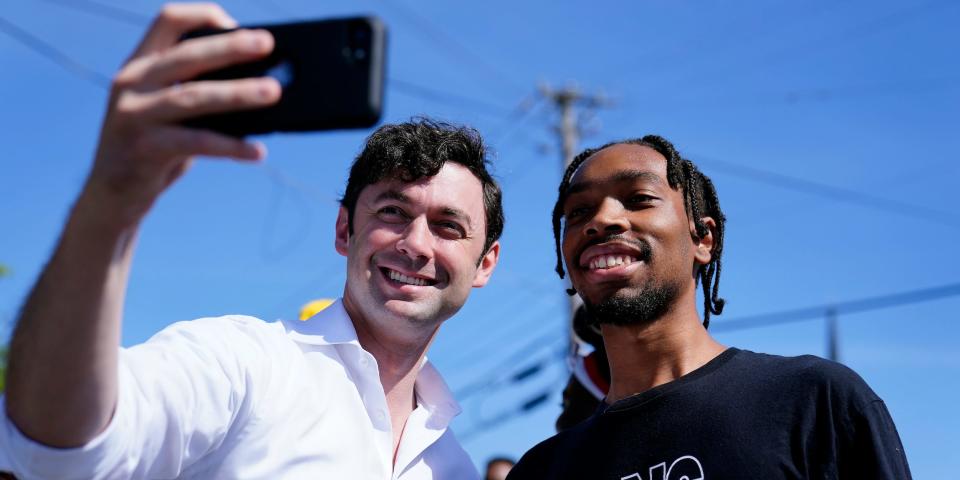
point(235, 397)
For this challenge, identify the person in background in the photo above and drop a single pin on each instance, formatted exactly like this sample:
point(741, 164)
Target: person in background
point(590, 372)
point(498, 468)
point(639, 229)
point(347, 393)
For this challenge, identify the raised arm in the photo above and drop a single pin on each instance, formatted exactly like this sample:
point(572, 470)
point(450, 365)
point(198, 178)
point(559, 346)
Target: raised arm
point(62, 377)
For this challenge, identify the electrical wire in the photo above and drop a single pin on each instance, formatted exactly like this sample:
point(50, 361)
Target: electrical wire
point(837, 308)
point(272, 248)
point(915, 85)
point(456, 50)
point(105, 11)
point(494, 379)
point(516, 318)
point(271, 6)
point(692, 51)
point(510, 127)
point(883, 23)
point(496, 375)
point(529, 404)
point(832, 192)
point(48, 51)
point(132, 18)
point(451, 99)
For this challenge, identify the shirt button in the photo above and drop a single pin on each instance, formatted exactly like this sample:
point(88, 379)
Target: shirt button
point(379, 414)
point(364, 361)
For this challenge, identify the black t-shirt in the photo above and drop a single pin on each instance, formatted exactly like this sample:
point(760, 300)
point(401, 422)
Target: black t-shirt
point(743, 415)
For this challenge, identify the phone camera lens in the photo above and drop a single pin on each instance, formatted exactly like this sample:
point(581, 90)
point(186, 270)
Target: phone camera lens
point(360, 32)
point(359, 38)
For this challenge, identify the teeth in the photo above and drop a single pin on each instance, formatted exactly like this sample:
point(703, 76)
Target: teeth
point(611, 261)
point(399, 277)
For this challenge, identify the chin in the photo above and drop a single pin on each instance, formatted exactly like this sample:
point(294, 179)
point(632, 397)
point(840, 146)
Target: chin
point(413, 312)
point(633, 306)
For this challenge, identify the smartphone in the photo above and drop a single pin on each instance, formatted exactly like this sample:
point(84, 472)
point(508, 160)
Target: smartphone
point(331, 71)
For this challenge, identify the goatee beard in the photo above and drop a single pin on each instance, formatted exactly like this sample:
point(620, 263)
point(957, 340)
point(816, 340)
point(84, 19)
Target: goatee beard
point(634, 308)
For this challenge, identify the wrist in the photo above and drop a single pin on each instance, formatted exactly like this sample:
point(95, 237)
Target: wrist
point(104, 211)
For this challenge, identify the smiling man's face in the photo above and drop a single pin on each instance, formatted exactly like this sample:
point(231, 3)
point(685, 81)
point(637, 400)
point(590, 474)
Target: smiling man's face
point(627, 240)
point(413, 256)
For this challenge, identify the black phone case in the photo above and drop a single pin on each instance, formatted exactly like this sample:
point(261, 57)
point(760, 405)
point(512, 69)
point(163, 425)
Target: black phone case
point(332, 73)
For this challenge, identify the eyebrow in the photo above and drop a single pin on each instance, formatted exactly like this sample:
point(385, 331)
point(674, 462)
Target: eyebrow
point(391, 194)
point(457, 214)
point(621, 176)
point(450, 212)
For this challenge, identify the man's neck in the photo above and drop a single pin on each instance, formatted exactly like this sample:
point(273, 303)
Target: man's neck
point(398, 369)
point(645, 356)
point(399, 359)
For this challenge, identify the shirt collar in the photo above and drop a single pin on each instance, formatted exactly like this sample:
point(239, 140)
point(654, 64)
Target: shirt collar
point(332, 326)
point(434, 394)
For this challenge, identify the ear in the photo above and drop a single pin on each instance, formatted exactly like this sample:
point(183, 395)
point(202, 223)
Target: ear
point(342, 240)
point(487, 264)
point(704, 244)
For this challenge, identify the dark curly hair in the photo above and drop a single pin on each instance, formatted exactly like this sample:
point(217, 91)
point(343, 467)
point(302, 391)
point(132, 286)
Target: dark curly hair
point(699, 199)
point(417, 149)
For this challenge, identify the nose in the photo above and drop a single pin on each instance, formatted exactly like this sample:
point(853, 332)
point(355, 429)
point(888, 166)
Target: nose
point(416, 241)
point(608, 219)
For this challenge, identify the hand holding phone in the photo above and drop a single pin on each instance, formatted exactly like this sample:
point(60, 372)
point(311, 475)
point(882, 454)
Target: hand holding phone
point(143, 147)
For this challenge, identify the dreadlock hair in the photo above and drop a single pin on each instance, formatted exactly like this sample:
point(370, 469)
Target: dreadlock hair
point(699, 200)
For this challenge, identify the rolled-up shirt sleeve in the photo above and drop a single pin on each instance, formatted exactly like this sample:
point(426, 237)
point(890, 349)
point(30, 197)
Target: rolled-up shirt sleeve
point(182, 394)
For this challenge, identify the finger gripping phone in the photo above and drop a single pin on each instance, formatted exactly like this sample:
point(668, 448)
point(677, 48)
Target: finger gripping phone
point(331, 71)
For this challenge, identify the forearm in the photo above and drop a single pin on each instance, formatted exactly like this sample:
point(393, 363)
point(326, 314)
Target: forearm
point(62, 379)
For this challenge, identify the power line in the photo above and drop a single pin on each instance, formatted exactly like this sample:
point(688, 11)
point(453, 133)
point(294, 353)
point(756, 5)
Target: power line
point(529, 404)
point(882, 23)
point(65, 61)
point(846, 307)
point(507, 331)
point(517, 118)
point(271, 249)
point(695, 52)
point(106, 11)
point(496, 375)
point(877, 24)
point(271, 6)
point(440, 39)
point(451, 99)
point(756, 321)
point(401, 86)
point(828, 191)
point(818, 94)
point(125, 16)
point(915, 85)
point(53, 54)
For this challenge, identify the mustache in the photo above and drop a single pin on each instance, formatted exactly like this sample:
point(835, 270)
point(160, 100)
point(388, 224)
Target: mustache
point(645, 251)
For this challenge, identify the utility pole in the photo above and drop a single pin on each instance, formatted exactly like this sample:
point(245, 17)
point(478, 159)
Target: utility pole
point(567, 100)
point(833, 348)
point(574, 108)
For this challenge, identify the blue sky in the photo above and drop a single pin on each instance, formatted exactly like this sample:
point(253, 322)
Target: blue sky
point(851, 95)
